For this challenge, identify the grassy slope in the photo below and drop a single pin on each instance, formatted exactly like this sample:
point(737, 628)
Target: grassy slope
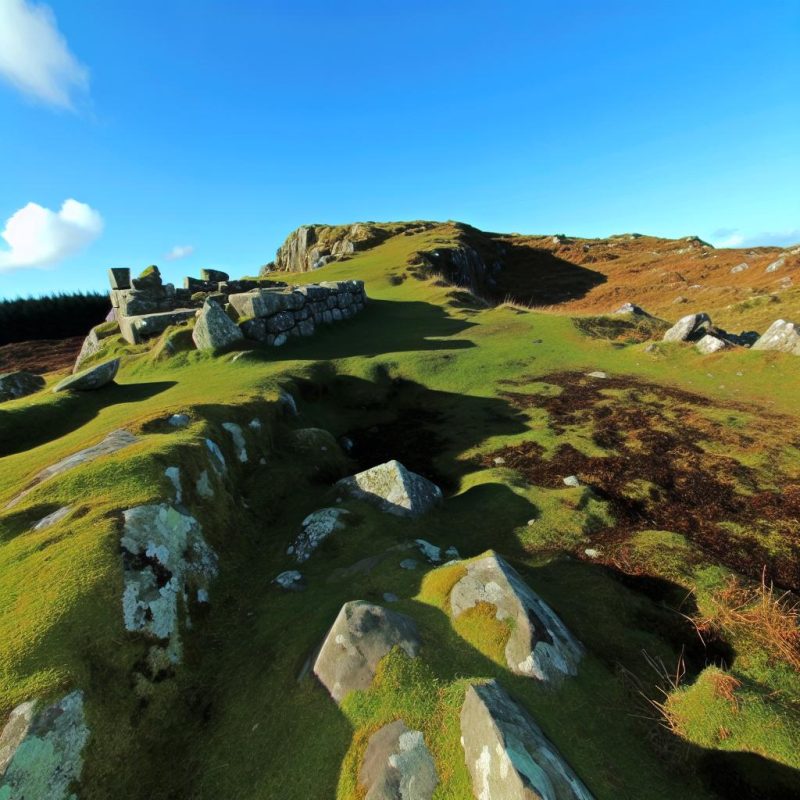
point(236, 716)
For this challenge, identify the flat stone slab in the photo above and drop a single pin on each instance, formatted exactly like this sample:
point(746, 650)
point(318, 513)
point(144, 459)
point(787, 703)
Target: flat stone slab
point(362, 634)
point(14, 385)
point(507, 754)
point(540, 646)
point(113, 443)
point(397, 765)
point(394, 489)
point(90, 379)
point(137, 328)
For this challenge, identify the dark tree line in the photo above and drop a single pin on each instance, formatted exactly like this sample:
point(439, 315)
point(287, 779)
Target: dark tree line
point(54, 316)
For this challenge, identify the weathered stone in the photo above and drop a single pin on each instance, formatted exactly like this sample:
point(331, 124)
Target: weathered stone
point(631, 308)
point(214, 275)
point(539, 645)
point(316, 528)
point(91, 346)
point(711, 344)
point(179, 420)
point(52, 519)
point(164, 556)
point(239, 442)
point(312, 246)
point(409, 563)
point(431, 552)
point(597, 374)
point(41, 749)
point(740, 268)
point(173, 475)
point(217, 458)
point(291, 580)
point(397, 765)
point(572, 481)
point(781, 335)
point(287, 403)
point(393, 488)
point(688, 328)
point(262, 302)
point(119, 278)
point(90, 379)
point(507, 754)
point(280, 322)
point(150, 278)
point(19, 384)
point(775, 265)
point(255, 329)
point(360, 637)
point(135, 329)
point(306, 327)
point(214, 329)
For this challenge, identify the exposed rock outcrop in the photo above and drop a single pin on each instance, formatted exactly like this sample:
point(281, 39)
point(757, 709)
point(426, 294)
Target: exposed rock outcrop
point(19, 384)
point(312, 246)
point(508, 756)
point(539, 645)
point(361, 636)
point(782, 336)
point(397, 765)
point(41, 749)
point(90, 379)
point(394, 489)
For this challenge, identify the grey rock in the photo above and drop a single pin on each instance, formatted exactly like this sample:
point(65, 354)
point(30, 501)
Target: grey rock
point(507, 754)
point(287, 403)
point(53, 518)
point(782, 336)
point(740, 268)
point(179, 420)
point(19, 384)
point(408, 563)
point(290, 580)
point(239, 442)
point(572, 481)
point(394, 489)
point(173, 475)
point(390, 597)
point(430, 551)
point(214, 275)
point(260, 303)
point(540, 646)
point(280, 322)
point(217, 458)
point(452, 553)
point(203, 485)
point(41, 749)
point(280, 340)
point(775, 265)
point(90, 379)
point(711, 344)
point(137, 328)
point(631, 308)
point(90, 347)
point(316, 528)
point(119, 278)
point(397, 765)
point(362, 634)
point(688, 328)
point(597, 374)
point(214, 329)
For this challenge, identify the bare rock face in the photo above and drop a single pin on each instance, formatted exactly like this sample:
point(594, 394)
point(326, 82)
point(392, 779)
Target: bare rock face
point(19, 384)
point(394, 489)
point(312, 246)
point(90, 379)
point(508, 756)
point(214, 329)
point(397, 765)
point(361, 636)
point(688, 328)
point(41, 749)
point(782, 336)
point(540, 646)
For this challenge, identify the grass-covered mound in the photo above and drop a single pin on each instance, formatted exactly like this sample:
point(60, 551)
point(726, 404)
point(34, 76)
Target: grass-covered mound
point(689, 468)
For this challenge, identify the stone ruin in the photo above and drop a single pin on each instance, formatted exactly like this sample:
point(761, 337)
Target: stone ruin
point(265, 311)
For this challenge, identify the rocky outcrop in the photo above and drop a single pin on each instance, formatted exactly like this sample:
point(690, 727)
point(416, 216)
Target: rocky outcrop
point(19, 384)
point(316, 528)
point(41, 749)
point(782, 336)
point(214, 329)
point(312, 246)
point(397, 765)
point(166, 562)
point(394, 489)
point(539, 645)
point(689, 328)
point(361, 636)
point(507, 754)
point(90, 379)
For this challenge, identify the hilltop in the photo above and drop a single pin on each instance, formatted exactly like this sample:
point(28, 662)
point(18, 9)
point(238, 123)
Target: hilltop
point(414, 502)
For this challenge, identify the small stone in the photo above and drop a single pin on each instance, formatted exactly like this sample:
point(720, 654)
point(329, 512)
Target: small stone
point(452, 553)
point(430, 551)
point(572, 481)
point(291, 580)
point(179, 420)
point(174, 476)
point(239, 443)
point(597, 374)
point(591, 552)
point(390, 597)
point(499, 461)
point(255, 425)
point(408, 563)
point(316, 528)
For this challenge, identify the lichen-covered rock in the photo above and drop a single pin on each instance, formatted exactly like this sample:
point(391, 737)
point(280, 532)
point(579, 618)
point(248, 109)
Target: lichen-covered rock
point(239, 442)
point(214, 329)
point(781, 335)
point(316, 528)
point(688, 328)
point(393, 488)
point(361, 636)
point(41, 749)
point(397, 765)
point(711, 344)
point(539, 645)
point(507, 754)
point(19, 384)
point(165, 558)
point(312, 246)
point(89, 379)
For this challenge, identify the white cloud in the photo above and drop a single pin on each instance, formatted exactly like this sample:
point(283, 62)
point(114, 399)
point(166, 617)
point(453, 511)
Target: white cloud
point(179, 251)
point(733, 237)
point(34, 56)
point(39, 237)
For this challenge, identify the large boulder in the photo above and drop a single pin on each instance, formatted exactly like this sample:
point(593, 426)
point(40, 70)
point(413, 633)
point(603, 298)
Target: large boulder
point(507, 754)
point(90, 379)
point(19, 384)
point(539, 646)
point(397, 765)
point(360, 637)
point(781, 335)
point(393, 488)
point(41, 749)
point(214, 329)
point(688, 328)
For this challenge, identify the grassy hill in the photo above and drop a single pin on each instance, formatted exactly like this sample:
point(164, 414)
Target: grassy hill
point(661, 562)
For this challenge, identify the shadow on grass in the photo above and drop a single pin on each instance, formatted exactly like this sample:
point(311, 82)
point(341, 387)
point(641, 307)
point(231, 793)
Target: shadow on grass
point(32, 425)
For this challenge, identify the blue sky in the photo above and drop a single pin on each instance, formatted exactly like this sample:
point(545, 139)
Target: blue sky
point(209, 130)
